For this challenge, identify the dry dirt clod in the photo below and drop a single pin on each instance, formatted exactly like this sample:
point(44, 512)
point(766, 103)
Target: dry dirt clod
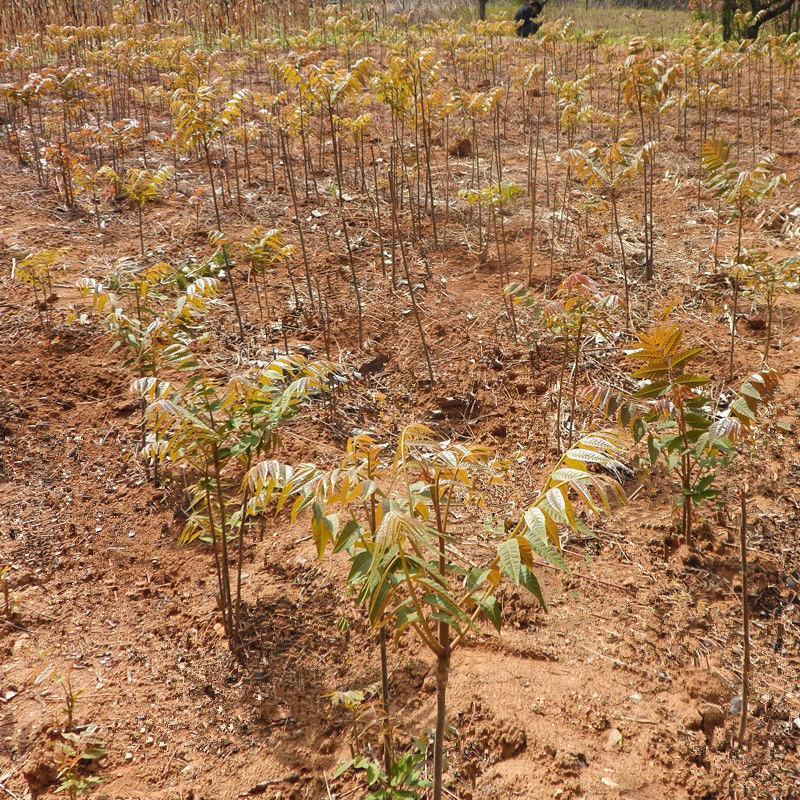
point(692, 719)
point(461, 149)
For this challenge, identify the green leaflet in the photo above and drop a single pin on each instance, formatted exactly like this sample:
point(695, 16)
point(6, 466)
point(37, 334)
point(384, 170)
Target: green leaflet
point(528, 581)
point(536, 534)
point(492, 609)
point(510, 558)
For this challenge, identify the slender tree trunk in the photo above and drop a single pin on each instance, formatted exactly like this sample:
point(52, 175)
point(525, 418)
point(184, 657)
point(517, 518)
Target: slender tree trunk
point(686, 480)
point(141, 233)
point(237, 623)
point(442, 657)
point(223, 538)
point(229, 276)
point(387, 723)
point(624, 259)
point(442, 671)
point(532, 238)
point(734, 311)
point(217, 561)
point(339, 196)
point(561, 374)
point(745, 619)
point(213, 184)
point(576, 358)
point(296, 206)
point(770, 303)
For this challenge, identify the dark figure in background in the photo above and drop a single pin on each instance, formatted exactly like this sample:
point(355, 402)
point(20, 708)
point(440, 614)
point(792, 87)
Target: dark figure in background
point(526, 18)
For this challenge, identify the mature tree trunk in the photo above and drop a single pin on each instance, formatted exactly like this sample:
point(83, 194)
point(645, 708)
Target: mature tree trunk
point(482, 9)
point(728, 11)
point(765, 14)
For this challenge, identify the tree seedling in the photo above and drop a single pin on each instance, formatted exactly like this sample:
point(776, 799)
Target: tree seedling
point(75, 752)
point(36, 270)
point(142, 187)
point(678, 420)
point(410, 573)
point(738, 190)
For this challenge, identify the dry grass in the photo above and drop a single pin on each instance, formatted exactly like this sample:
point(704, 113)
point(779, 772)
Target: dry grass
point(621, 21)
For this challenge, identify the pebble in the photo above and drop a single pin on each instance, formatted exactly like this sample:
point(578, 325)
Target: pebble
point(614, 739)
